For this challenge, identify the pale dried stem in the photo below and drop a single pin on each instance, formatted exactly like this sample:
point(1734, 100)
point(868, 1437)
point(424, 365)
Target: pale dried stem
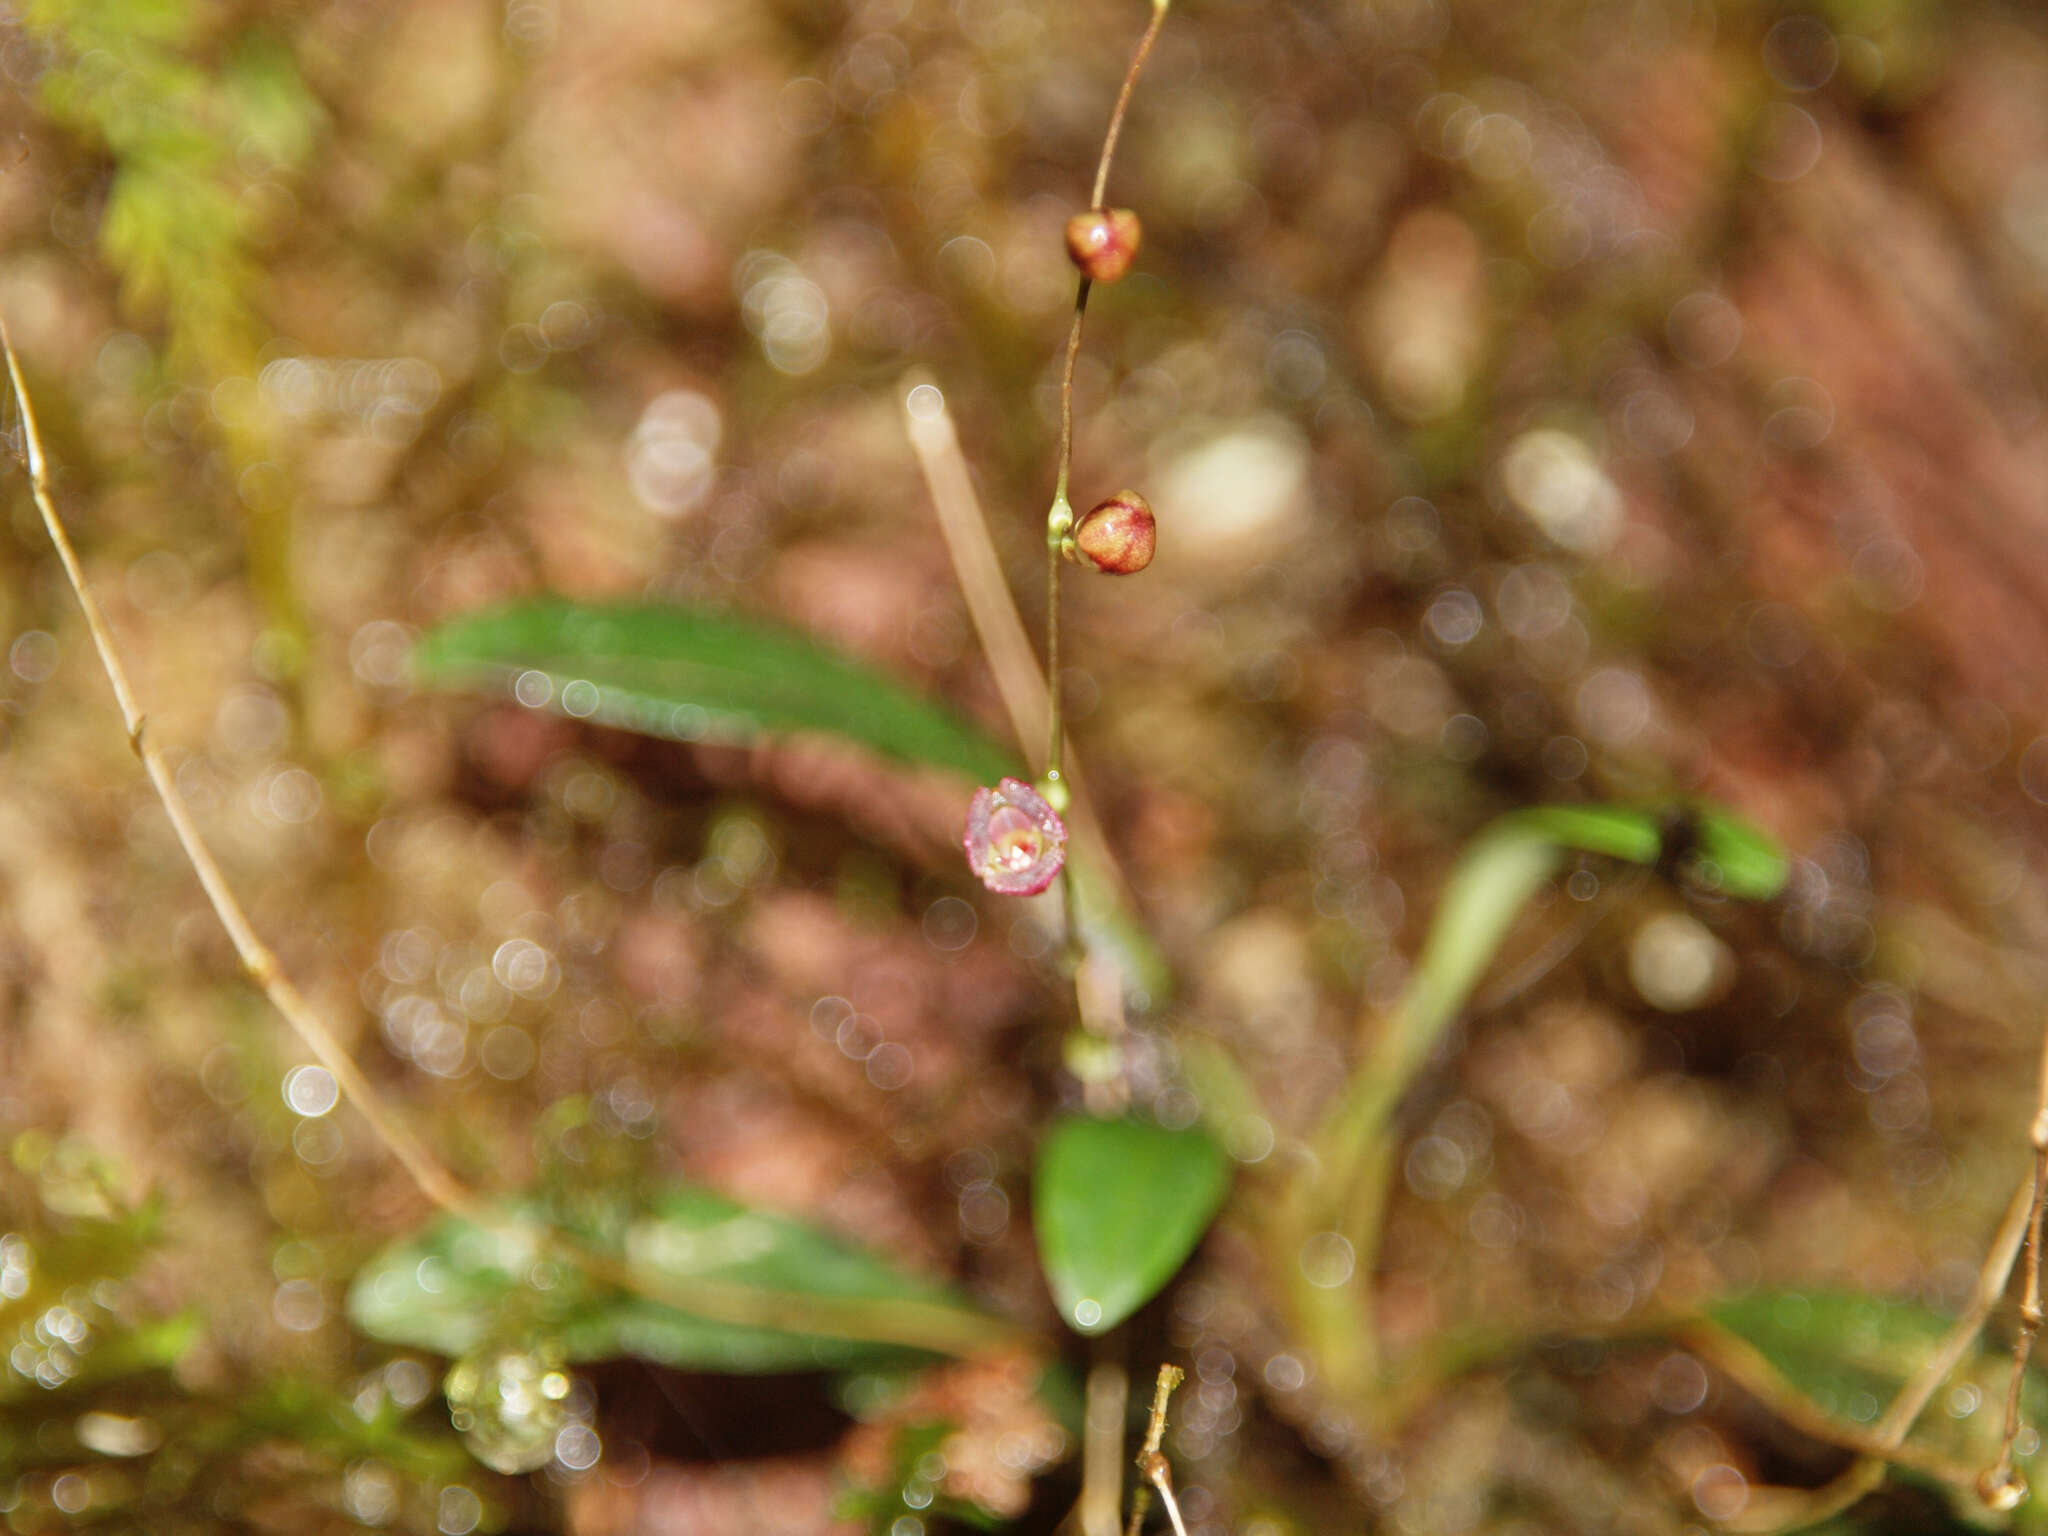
point(2001, 1485)
point(997, 623)
point(1102, 1450)
point(1906, 1408)
point(434, 1181)
point(993, 612)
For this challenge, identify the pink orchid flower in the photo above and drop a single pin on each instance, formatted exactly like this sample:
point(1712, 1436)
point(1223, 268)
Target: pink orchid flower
point(1015, 842)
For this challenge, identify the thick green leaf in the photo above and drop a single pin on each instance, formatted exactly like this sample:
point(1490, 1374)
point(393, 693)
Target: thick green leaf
point(692, 675)
point(460, 1285)
point(1119, 1205)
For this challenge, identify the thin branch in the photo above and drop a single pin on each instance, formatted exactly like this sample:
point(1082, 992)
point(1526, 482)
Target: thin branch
point(1152, 1460)
point(2001, 1486)
point(1906, 1408)
point(1123, 99)
point(2020, 1228)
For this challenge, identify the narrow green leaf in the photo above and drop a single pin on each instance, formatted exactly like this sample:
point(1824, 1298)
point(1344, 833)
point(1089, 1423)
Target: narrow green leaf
point(1119, 1205)
point(1749, 863)
point(459, 1285)
point(1489, 886)
point(1619, 832)
point(1493, 880)
point(692, 675)
point(1723, 851)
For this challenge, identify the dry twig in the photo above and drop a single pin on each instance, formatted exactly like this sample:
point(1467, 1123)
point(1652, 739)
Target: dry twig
point(1152, 1460)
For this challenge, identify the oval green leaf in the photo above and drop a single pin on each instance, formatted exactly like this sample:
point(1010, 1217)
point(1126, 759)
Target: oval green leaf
point(692, 675)
point(1118, 1206)
point(696, 1282)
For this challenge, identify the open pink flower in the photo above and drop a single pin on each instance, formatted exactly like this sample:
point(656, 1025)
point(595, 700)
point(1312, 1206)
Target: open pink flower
point(1015, 842)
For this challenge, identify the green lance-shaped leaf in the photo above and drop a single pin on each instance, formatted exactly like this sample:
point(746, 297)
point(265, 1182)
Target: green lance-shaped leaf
point(696, 1282)
point(1493, 880)
point(1834, 1362)
point(692, 675)
point(1845, 1352)
point(1119, 1205)
point(1341, 1190)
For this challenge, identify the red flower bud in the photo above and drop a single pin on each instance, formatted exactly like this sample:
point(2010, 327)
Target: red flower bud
point(1118, 535)
point(1015, 842)
point(1103, 242)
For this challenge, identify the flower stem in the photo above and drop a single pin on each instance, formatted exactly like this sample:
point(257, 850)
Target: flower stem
point(1059, 518)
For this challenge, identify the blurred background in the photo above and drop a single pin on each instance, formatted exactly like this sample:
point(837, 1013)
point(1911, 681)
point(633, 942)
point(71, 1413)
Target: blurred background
point(1617, 400)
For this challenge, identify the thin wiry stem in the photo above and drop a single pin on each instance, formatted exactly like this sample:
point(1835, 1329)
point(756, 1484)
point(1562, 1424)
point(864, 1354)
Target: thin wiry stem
point(1906, 1408)
point(1059, 519)
point(434, 1181)
point(992, 609)
point(1123, 99)
point(2019, 1229)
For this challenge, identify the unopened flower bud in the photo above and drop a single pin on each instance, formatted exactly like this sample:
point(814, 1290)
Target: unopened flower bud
point(1103, 242)
point(1015, 842)
point(1118, 535)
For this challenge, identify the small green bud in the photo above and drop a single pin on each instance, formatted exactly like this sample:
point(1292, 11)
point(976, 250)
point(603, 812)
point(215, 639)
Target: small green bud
point(1053, 789)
